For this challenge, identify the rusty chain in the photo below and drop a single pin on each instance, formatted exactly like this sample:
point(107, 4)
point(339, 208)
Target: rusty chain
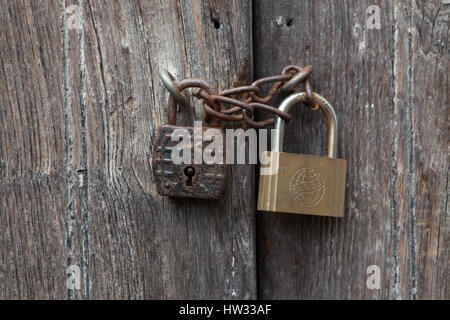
point(220, 105)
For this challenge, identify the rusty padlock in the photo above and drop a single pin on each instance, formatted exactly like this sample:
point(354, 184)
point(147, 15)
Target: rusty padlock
point(186, 180)
point(303, 184)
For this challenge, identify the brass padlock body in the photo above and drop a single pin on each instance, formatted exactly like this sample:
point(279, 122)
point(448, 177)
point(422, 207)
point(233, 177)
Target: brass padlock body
point(304, 184)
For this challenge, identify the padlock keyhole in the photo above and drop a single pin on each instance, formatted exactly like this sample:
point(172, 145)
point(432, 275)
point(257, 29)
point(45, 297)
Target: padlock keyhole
point(189, 172)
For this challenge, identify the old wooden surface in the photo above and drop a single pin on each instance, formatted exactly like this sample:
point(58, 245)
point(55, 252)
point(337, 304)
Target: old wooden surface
point(79, 111)
point(390, 90)
point(80, 103)
point(33, 186)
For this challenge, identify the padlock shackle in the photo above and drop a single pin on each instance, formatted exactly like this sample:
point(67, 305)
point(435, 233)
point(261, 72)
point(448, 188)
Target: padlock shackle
point(170, 82)
point(328, 111)
point(176, 96)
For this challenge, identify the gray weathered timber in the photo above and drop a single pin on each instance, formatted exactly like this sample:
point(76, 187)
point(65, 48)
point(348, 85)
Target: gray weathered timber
point(428, 162)
point(79, 112)
point(390, 89)
point(34, 200)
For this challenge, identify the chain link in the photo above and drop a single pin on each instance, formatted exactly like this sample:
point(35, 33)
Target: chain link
point(224, 105)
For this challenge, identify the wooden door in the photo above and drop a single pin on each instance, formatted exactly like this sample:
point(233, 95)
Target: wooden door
point(390, 89)
point(80, 107)
point(80, 104)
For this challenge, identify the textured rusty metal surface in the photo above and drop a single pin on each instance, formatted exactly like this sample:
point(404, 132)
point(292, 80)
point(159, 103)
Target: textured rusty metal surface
point(208, 180)
point(226, 104)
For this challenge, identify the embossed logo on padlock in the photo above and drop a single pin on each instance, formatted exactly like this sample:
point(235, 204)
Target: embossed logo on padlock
point(307, 187)
point(304, 184)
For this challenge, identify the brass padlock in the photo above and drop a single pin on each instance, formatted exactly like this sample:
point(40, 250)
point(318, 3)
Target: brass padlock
point(186, 180)
point(303, 184)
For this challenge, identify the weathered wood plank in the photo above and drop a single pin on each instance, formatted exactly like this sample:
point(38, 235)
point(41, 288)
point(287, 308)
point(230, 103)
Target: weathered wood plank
point(81, 102)
point(373, 78)
point(33, 188)
point(142, 245)
point(428, 148)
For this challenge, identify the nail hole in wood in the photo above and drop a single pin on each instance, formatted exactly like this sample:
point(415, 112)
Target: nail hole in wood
point(216, 23)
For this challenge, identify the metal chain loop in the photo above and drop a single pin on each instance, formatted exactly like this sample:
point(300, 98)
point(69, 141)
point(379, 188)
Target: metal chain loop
point(221, 104)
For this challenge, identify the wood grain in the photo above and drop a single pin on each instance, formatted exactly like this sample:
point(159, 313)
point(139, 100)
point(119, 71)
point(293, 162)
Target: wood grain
point(80, 109)
point(142, 245)
point(33, 188)
point(428, 100)
point(390, 91)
